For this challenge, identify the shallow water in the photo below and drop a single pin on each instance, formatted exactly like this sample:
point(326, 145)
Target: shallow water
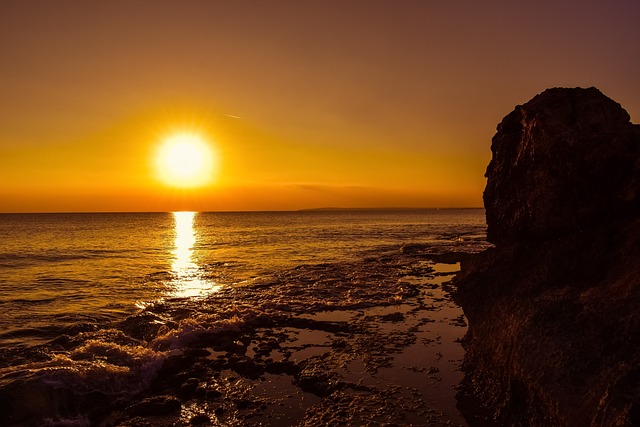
point(110, 304)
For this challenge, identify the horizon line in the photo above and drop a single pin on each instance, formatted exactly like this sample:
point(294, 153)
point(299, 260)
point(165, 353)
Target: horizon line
point(322, 209)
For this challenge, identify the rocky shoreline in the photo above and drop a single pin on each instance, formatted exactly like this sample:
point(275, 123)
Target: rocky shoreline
point(553, 307)
point(378, 344)
point(355, 365)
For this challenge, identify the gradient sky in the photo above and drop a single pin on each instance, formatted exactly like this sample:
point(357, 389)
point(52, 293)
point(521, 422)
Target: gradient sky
point(309, 103)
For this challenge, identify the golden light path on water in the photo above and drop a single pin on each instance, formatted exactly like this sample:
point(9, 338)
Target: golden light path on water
point(188, 277)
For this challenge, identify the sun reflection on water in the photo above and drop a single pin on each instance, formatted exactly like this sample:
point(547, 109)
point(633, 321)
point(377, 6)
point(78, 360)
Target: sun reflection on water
point(188, 276)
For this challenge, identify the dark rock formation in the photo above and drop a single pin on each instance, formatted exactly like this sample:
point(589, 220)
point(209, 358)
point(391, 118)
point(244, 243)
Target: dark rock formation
point(564, 161)
point(553, 308)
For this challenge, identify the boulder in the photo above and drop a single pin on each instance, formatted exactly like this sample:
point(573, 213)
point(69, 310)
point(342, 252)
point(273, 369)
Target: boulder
point(562, 162)
point(552, 308)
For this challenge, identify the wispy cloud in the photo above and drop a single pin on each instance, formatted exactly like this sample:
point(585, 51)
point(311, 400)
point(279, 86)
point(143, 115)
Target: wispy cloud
point(324, 188)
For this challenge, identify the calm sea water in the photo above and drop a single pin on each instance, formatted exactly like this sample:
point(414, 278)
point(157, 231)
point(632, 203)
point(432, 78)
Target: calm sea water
point(74, 288)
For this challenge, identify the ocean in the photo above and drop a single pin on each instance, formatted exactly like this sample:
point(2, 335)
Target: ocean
point(98, 310)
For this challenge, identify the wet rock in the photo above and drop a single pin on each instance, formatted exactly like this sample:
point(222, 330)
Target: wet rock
point(451, 257)
point(189, 387)
point(156, 405)
point(177, 369)
point(278, 368)
point(248, 368)
point(392, 317)
point(318, 385)
point(228, 343)
point(265, 348)
point(144, 326)
point(415, 248)
point(243, 404)
point(135, 422)
point(552, 309)
point(34, 400)
point(200, 419)
point(28, 401)
point(212, 394)
point(313, 378)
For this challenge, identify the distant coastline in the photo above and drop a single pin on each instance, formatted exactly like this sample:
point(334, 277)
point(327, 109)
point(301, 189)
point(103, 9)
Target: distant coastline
point(332, 209)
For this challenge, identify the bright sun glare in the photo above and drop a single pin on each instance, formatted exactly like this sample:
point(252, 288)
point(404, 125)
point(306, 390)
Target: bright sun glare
point(185, 160)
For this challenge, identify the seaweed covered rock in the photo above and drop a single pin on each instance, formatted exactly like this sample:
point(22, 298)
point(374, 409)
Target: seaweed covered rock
point(553, 307)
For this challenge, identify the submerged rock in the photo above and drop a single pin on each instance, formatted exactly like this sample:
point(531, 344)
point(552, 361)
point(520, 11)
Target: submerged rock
point(552, 308)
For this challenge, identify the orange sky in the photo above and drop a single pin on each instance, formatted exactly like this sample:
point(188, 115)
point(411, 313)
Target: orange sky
point(358, 103)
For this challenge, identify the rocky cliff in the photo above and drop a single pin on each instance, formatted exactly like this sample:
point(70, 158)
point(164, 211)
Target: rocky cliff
point(554, 307)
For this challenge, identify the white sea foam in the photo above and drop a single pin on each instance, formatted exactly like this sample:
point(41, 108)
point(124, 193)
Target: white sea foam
point(194, 329)
point(110, 369)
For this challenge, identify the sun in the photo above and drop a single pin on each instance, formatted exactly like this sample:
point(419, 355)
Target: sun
point(185, 160)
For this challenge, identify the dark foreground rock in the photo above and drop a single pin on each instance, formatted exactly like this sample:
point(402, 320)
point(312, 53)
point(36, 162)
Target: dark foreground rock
point(553, 308)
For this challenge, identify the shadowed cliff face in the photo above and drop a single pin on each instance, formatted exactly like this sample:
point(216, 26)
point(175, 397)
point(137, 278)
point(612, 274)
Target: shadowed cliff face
point(563, 161)
point(553, 308)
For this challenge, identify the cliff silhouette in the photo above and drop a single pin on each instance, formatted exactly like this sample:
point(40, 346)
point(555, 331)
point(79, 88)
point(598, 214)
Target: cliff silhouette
point(554, 307)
